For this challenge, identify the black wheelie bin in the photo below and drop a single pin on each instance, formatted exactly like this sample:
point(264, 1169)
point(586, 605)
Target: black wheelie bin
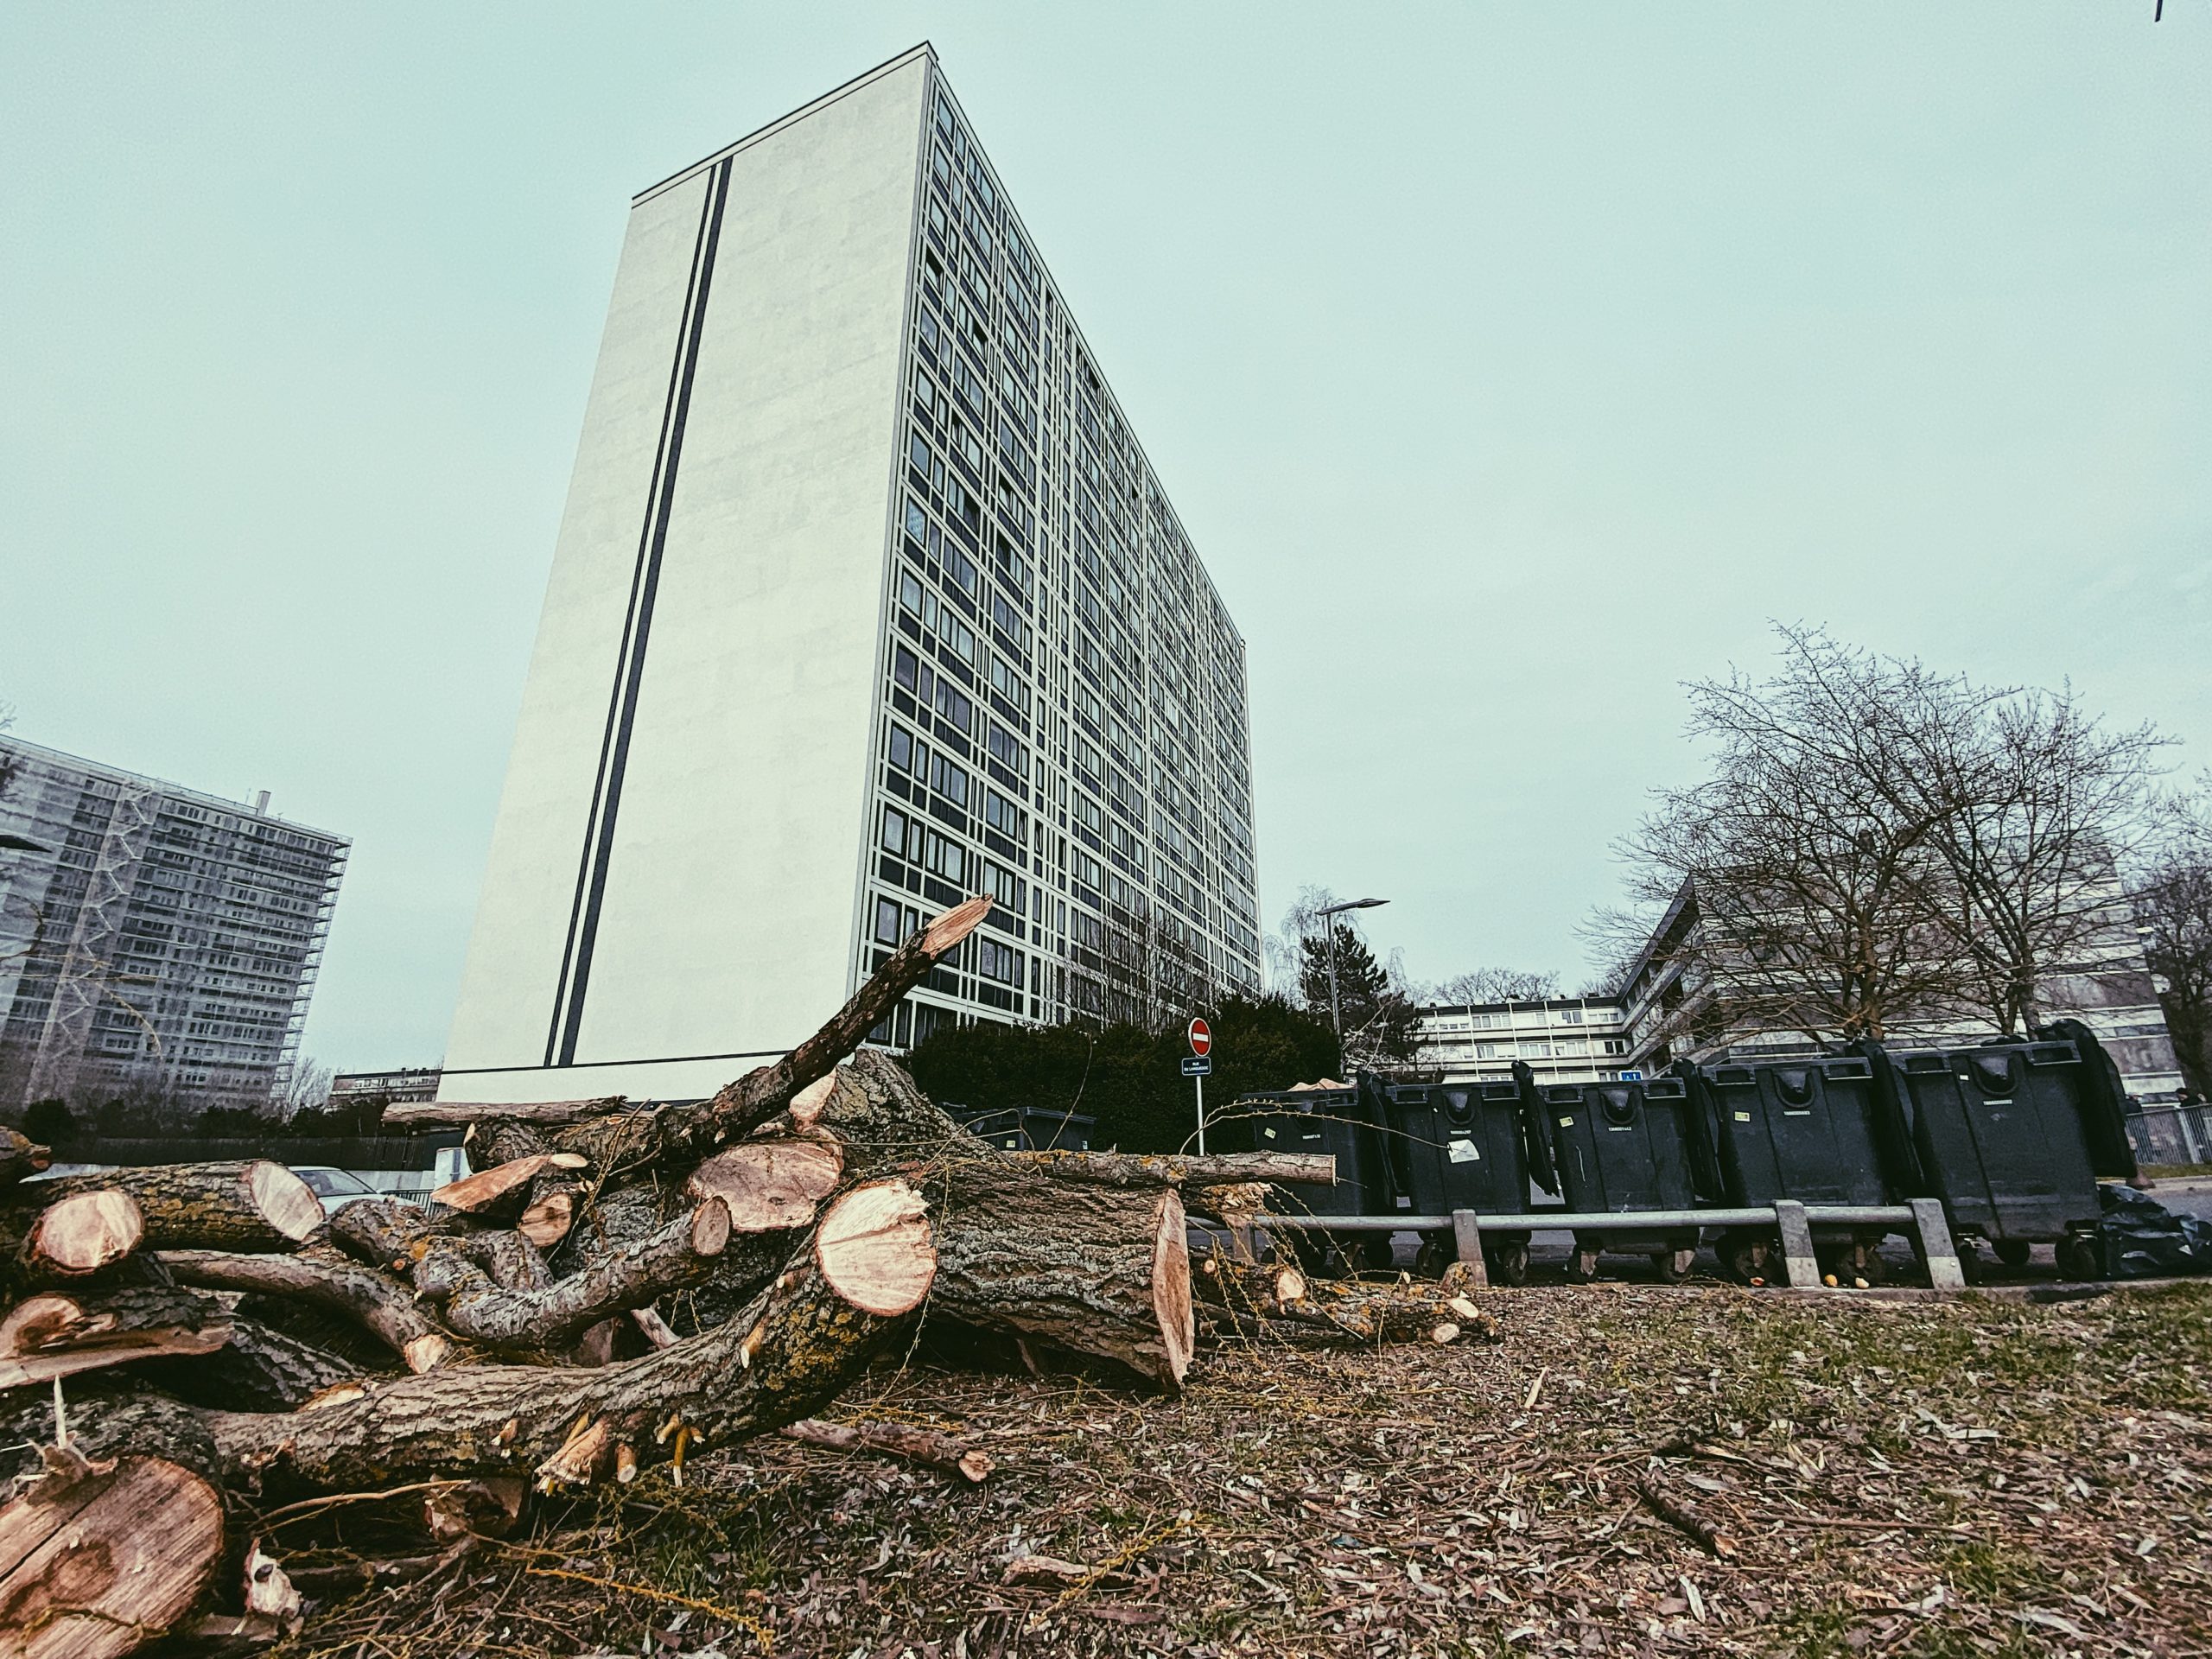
point(1621, 1147)
point(1345, 1122)
point(1468, 1146)
point(1815, 1130)
point(2004, 1139)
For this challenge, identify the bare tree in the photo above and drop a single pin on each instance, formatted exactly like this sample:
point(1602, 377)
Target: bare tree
point(2172, 889)
point(2041, 805)
point(1496, 985)
point(1801, 886)
point(1877, 843)
point(10, 762)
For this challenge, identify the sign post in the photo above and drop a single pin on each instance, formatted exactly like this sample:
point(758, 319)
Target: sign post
point(1195, 1068)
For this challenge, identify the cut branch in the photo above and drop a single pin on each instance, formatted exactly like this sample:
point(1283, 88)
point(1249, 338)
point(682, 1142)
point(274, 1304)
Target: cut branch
point(380, 1306)
point(923, 1445)
point(684, 1134)
point(794, 1350)
point(630, 1276)
point(1168, 1169)
point(457, 1114)
point(20, 1156)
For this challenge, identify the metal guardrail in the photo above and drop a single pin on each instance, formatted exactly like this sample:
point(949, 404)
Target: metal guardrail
point(1792, 1222)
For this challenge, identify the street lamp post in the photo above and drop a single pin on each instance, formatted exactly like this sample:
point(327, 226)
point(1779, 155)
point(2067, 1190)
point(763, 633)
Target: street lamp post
point(1329, 924)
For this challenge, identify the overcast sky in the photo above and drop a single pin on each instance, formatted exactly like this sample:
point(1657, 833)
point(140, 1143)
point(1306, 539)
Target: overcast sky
point(1509, 366)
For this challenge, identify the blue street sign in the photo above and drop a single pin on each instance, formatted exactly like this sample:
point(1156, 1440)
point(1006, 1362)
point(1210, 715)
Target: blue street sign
point(1197, 1065)
point(1632, 1075)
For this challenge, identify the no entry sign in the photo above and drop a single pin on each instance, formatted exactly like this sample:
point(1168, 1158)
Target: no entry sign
point(1201, 1036)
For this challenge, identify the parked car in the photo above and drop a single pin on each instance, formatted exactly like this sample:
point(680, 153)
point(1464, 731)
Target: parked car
point(336, 1188)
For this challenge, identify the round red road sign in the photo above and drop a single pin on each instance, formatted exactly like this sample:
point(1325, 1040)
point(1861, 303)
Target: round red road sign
point(1201, 1036)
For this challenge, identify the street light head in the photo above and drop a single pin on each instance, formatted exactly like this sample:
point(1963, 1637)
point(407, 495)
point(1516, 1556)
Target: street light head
point(1351, 904)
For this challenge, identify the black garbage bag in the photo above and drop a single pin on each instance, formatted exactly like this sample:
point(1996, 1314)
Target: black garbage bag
point(2142, 1239)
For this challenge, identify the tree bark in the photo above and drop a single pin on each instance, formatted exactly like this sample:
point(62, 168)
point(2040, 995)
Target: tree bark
point(383, 1308)
point(551, 1317)
point(58, 1334)
point(20, 1156)
point(260, 1369)
point(95, 1561)
point(77, 1233)
point(853, 1290)
point(254, 1205)
point(1089, 1268)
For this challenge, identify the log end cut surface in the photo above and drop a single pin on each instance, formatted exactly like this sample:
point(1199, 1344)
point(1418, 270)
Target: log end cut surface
point(1171, 1287)
point(285, 1199)
point(770, 1185)
point(93, 1564)
point(87, 1232)
point(874, 1248)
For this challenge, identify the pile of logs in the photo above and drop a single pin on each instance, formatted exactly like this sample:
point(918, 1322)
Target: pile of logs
point(612, 1288)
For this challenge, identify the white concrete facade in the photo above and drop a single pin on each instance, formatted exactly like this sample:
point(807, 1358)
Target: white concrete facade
point(680, 875)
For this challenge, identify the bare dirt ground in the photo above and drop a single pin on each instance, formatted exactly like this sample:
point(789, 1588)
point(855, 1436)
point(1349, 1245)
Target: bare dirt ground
point(1843, 1476)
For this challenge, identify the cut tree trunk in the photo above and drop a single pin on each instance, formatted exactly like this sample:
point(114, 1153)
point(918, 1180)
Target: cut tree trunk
point(57, 1334)
point(680, 1136)
point(94, 1560)
point(77, 1233)
point(854, 1290)
point(1091, 1269)
point(20, 1156)
point(541, 1320)
point(385, 1309)
point(254, 1205)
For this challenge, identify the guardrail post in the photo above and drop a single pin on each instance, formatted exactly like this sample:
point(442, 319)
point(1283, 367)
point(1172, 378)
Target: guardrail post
point(1798, 1261)
point(1936, 1248)
point(1467, 1234)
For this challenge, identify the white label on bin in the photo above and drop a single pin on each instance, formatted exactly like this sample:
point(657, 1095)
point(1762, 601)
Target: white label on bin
point(1270, 1134)
point(1566, 1123)
point(1743, 1117)
point(1462, 1152)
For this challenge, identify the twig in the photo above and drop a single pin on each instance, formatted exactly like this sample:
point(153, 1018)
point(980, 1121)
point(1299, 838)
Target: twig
point(1687, 1522)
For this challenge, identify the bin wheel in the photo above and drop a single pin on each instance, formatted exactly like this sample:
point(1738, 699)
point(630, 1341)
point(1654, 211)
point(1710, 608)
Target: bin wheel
point(2080, 1258)
point(1508, 1264)
point(1674, 1265)
point(1434, 1257)
point(1971, 1267)
point(2014, 1252)
point(1581, 1266)
point(1746, 1258)
point(1873, 1266)
point(1351, 1258)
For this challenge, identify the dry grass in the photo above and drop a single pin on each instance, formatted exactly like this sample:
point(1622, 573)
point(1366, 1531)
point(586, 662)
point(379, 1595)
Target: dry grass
point(1956, 1477)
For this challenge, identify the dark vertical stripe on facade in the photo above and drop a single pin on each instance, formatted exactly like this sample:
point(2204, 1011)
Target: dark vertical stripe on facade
point(637, 629)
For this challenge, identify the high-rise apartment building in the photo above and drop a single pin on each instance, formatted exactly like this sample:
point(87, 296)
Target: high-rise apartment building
point(864, 598)
point(153, 941)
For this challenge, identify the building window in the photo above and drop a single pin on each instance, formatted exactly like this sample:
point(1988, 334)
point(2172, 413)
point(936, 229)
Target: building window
point(886, 921)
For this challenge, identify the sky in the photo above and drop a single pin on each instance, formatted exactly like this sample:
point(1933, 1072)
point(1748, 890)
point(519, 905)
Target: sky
point(1509, 366)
